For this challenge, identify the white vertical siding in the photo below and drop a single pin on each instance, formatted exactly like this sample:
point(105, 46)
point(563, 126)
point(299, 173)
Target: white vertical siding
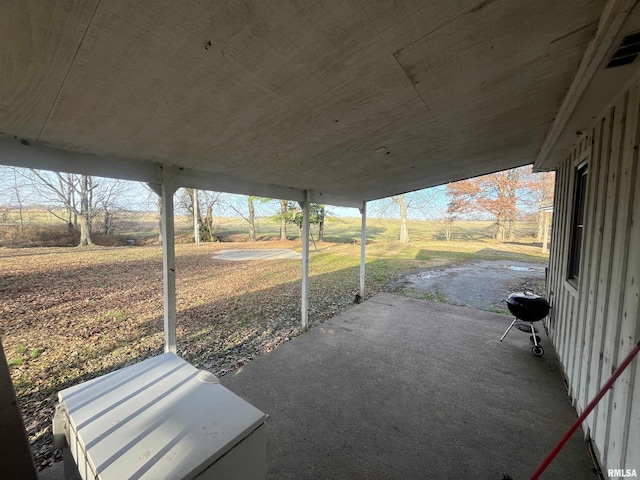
point(629, 292)
point(595, 323)
point(595, 227)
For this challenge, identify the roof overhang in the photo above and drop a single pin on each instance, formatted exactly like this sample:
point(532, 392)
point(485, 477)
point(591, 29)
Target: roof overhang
point(349, 102)
point(595, 86)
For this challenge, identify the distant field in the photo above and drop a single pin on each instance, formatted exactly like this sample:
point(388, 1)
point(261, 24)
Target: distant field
point(144, 228)
point(346, 230)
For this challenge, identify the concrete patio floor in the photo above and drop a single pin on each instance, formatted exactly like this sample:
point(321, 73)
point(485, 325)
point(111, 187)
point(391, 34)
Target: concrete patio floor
point(401, 388)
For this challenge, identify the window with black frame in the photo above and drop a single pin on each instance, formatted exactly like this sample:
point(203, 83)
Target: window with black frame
point(577, 223)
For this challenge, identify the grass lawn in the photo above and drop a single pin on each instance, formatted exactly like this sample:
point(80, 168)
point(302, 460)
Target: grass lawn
point(71, 314)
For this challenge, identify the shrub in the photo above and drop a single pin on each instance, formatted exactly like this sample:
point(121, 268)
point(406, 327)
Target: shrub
point(38, 236)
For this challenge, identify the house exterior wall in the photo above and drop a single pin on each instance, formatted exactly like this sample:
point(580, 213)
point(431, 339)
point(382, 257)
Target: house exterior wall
point(595, 320)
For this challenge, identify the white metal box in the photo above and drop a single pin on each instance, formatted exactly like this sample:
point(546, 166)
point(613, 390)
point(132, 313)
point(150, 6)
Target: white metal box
point(160, 419)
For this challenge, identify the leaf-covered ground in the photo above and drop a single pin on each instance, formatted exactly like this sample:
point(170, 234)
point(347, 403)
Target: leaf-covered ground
point(69, 314)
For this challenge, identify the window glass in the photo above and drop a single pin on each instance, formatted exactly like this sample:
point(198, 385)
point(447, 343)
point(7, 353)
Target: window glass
point(577, 223)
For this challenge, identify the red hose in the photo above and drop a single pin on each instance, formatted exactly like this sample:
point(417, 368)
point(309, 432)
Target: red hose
point(586, 412)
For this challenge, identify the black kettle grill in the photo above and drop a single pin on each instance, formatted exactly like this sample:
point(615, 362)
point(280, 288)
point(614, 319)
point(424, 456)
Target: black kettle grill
point(528, 307)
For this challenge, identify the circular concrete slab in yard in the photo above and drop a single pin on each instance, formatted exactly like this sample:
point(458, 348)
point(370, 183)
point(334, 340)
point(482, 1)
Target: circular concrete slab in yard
point(263, 254)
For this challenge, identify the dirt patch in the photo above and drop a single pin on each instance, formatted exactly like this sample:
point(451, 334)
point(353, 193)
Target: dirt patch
point(483, 284)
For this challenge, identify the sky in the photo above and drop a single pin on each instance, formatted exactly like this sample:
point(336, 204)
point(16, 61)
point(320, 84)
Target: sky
point(435, 208)
point(428, 204)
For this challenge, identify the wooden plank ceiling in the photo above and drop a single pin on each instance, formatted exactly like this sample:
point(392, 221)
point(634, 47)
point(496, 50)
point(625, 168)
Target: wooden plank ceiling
point(355, 99)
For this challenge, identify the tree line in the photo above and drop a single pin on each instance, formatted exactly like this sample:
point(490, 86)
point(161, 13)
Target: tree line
point(289, 213)
point(90, 204)
point(504, 197)
point(86, 204)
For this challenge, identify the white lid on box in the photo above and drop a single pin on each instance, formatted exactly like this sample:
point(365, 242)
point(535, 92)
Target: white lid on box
point(160, 418)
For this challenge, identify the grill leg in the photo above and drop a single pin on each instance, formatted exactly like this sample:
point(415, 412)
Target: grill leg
point(533, 332)
point(505, 333)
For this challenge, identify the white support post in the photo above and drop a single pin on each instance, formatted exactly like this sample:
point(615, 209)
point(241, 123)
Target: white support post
point(545, 238)
point(363, 248)
point(196, 230)
point(168, 261)
point(305, 262)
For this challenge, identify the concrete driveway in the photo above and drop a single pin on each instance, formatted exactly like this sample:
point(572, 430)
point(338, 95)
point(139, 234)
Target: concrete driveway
point(482, 284)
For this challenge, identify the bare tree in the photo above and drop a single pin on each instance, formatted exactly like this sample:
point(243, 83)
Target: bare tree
point(539, 189)
point(446, 226)
point(13, 187)
point(251, 218)
point(194, 202)
point(402, 206)
point(71, 191)
point(417, 202)
point(57, 190)
point(248, 214)
point(450, 215)
point(185, 202)
point(85, 222)
point(209, 200)
point(323, 214)
point(105, 203)
point(89, 203)
point(499, 195)
point(196, 223)
point(154, 198)
point(284, 207)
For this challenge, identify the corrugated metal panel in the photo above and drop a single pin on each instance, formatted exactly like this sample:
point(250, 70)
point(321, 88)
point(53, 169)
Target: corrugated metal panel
point(595, 323)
